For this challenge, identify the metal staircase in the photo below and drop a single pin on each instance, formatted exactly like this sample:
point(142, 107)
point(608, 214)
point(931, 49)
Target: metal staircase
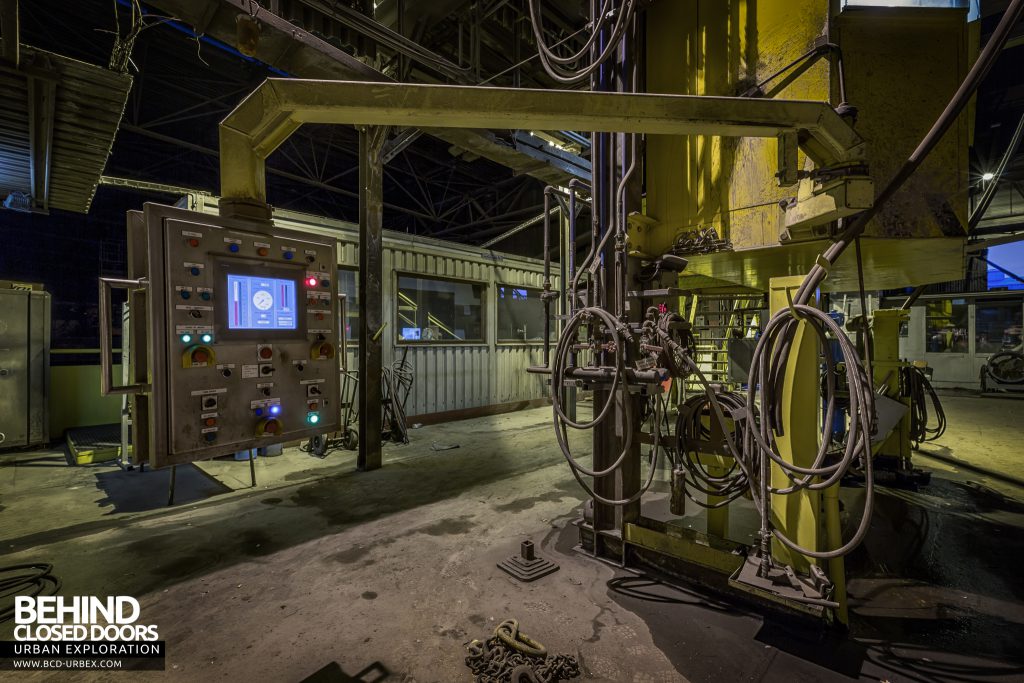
point(717, 318)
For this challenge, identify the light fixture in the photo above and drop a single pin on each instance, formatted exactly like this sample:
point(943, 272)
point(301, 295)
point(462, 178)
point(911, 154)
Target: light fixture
point(988, 175)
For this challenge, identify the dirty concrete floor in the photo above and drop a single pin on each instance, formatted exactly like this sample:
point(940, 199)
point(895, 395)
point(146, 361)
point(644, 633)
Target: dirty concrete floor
point(321, 564)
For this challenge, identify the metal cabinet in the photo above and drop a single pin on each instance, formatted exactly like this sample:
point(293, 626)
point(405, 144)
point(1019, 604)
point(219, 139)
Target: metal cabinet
point(24, 365)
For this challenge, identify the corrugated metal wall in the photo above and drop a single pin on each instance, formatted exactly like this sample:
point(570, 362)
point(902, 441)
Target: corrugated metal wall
point(448, 376)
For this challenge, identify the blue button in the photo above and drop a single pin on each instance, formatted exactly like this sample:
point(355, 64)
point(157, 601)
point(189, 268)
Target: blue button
point(233, 247)
point(210, 436)
point(205, 296)
point(194, 271)
point(185, 294)
point(259, 411)
point(288, 255)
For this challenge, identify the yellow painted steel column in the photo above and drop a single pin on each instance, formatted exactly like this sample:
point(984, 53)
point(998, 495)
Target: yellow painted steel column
point(797, 515)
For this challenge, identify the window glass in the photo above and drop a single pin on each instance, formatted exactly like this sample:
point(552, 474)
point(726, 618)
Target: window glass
point(521, 315)
point(946, 326)
point(997, 326)
point(348, 284)
point(439, 310)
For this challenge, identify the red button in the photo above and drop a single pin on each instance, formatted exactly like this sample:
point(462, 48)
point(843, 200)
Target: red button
point(312, 405)
point(199, 356)
point(262, 251)
point(266, 353)
point(319, 316)
point(271, 426)
point(210, 421)
point(193, 242)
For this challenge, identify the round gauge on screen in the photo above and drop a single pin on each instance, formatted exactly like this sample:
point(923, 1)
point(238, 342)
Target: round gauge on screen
point(263, 299)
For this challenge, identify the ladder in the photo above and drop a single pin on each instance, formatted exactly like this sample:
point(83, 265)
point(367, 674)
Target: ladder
point(717, 318)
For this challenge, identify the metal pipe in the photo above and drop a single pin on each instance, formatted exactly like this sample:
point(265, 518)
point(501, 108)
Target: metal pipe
point(547, 275)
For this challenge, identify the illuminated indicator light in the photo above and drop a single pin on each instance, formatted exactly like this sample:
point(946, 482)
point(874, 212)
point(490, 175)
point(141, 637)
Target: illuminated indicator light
point(275, 410)
point(233, 248)
point(312, 418)
point(207, 338)
point(193, 242)
point(186, 338)
point(312, 281)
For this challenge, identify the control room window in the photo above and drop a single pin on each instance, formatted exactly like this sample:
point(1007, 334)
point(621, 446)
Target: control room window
point(431, 310)
point(348, 284)
point(946, 326)
point(997, 325)
point(521, 315)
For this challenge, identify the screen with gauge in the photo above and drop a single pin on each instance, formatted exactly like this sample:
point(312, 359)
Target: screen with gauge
point(261, 303)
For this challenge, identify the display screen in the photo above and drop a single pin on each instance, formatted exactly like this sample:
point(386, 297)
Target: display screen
point(261, 303)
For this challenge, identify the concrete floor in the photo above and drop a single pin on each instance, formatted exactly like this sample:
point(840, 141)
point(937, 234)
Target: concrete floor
point(321, 564)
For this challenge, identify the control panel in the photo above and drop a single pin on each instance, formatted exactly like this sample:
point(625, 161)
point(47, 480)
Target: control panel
point(243, 338)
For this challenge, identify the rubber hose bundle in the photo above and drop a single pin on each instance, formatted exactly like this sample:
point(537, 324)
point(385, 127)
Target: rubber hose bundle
point(999, 363)
point(25, 580)
point(691, 431)
point(759, 443)
point(618, 391)
point(920, 390)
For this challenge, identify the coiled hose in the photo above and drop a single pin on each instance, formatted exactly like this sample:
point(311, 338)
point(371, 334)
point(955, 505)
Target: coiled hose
point(617, 391)
point(690, 432)
point(920, 390)
point(759, 445)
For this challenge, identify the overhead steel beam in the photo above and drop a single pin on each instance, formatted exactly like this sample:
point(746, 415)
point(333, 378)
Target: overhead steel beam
point(42, 109)
point(286, 47)
point(276, 109)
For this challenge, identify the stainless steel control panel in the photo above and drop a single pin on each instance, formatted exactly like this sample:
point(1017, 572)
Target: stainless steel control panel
point(243, 340)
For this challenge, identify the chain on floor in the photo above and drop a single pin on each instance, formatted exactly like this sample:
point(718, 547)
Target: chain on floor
point(511, 656)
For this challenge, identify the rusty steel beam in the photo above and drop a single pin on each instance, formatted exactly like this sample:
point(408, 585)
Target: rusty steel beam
point(276, 109)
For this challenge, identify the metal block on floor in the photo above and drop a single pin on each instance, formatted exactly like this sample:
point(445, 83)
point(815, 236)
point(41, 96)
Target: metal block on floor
point(526, 566)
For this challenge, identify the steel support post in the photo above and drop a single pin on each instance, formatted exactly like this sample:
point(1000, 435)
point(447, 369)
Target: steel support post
point(797, 515)
point(371, 295)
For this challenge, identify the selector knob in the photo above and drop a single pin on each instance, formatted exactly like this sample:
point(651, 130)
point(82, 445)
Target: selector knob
point(266, 369)
point(226, 372)
point(265, 391)
point(300, 367)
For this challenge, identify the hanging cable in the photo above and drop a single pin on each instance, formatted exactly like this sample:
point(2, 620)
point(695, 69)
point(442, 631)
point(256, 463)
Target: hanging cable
point(556, 66)
point(920, 390)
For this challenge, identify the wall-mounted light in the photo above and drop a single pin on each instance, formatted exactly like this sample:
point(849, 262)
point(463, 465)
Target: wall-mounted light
point(988, 175)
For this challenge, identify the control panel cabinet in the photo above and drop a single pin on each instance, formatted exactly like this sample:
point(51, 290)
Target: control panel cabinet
point(243, 338)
